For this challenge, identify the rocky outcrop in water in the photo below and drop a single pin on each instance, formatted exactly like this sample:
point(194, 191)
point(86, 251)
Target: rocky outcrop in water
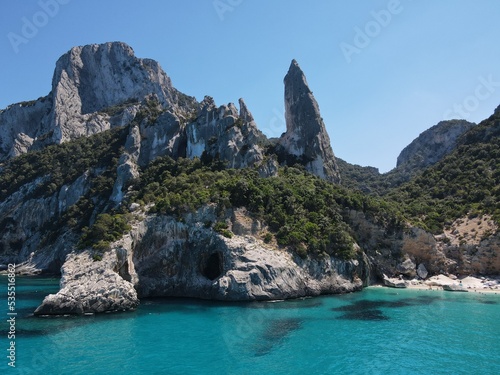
point(163, 257)
point(92, 286)
point(306, 138)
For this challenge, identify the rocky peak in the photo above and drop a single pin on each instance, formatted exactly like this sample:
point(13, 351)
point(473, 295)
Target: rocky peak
point(88, 80)
point(245, 114)
point(225, 133)
point(103, 75)
point(432, 145)
point(94, 77)
point(306, 137)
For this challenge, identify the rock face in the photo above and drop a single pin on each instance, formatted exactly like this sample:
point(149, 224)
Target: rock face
point(407, 268)
point(306, 138)
point(432, 145)
point(223, 133)
point(166, 257)
point(394, 283)
point(195, 261)
point(89, 286)
point(422, 271)
point(87, 81)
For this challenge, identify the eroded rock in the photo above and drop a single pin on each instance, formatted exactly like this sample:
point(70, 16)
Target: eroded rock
point(306, 138)
point(92, 286)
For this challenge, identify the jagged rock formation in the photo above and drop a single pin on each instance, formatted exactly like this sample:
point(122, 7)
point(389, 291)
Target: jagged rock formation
point(88, 286)
point(105, 86)
point(87, 80)
point(432, 145)
point(306, 138)
point(98, 87)
point(222, 133)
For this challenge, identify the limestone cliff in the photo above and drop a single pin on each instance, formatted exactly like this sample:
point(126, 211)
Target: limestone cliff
point(223, 133)
point(87, 80)
point(45, 207)
point(88, 286)
point(306, 137)
point(431, 145)
point(163, 256)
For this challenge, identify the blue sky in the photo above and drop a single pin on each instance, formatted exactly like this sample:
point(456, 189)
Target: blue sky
point(381, 71)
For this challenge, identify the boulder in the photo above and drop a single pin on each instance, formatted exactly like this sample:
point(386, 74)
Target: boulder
point(90, 286)
point(407, 268)
point(422, 271)
point(454, 288)
point(395, 283)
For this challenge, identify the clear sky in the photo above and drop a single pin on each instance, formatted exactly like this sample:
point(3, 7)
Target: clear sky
point(382, 71)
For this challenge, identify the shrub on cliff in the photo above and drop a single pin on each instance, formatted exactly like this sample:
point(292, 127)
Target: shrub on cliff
point(304, 212)
point(106, 229)
point(465, 182)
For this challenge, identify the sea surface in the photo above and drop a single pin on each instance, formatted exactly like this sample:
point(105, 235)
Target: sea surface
point(377, 331)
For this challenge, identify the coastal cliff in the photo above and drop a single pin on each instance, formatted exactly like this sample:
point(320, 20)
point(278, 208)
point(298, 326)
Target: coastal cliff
point(129, 189)
point(164, 257)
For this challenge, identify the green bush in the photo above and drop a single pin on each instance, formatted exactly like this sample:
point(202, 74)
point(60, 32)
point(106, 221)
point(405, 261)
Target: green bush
point(268, 237)
point(465, 183)
point(106, 229)
point(302, 211)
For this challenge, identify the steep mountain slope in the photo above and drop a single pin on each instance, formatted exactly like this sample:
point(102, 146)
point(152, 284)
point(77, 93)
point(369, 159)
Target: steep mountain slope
point(466, 182)
point(86, 81)
point(142, 191)
point(427, 149)
point(431, 146)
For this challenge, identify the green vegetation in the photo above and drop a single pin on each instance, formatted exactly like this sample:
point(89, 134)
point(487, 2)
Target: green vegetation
point(117, 109)
point(466, 182)
point(57, 165)
point(302, 211)
point(152, 110)
point(222, 228)
point(106, 229)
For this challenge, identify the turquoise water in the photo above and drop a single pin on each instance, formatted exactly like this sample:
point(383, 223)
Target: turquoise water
point(377, 331)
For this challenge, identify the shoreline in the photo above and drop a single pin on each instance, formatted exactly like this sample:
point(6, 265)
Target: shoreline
point(482, 285)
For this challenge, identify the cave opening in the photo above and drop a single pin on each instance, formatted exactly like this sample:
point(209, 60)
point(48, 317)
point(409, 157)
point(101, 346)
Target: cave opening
point(212, 266)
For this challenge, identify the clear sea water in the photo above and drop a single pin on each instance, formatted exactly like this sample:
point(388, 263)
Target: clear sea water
point(377, 331)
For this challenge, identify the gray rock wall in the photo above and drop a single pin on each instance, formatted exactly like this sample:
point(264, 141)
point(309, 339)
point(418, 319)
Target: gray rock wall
point(306, 137)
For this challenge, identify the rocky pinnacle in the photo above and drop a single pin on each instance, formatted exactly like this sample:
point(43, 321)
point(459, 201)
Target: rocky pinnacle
point(306, 138)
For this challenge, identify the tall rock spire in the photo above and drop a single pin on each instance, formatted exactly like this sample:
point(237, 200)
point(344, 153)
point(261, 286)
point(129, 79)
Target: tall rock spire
point(306, 137)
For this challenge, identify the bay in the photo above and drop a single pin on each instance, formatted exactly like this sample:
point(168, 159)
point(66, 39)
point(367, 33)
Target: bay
point(377, 331)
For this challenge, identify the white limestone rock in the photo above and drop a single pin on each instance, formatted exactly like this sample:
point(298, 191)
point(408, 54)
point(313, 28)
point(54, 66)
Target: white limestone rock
point(92, 286)
point(306, 137)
